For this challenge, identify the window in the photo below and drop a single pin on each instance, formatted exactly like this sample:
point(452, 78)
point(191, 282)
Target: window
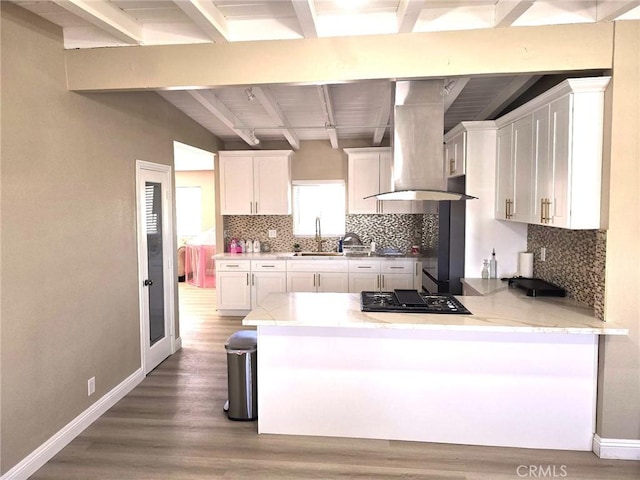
point(318, 199)
point(189, 211)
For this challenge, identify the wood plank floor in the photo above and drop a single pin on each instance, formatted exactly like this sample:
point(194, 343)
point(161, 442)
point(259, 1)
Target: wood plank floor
point(172, 427)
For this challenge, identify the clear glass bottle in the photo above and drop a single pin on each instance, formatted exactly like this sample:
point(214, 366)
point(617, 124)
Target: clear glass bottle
point(485, 268)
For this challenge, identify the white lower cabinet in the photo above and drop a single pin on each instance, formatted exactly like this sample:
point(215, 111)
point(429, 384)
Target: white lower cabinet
point(384, 275)
point(267, 277)
point(233, 285)
point(317, 276)
point(241, 285)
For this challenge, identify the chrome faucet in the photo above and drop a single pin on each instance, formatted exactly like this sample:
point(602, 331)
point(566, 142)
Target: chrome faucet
point(319, 239)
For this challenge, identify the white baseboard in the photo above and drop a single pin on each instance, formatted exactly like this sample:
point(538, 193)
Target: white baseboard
point(616, 448)
point(177, 344)
point(45, 452)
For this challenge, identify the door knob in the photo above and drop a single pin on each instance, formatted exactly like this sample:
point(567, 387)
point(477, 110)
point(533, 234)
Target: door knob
point(148, 282)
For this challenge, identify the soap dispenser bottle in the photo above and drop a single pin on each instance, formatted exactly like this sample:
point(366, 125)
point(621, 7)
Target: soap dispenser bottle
point(485, 268)
point(256, 246)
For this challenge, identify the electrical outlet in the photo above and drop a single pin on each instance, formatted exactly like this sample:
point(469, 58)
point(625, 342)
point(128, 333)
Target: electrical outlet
point(543, 254)
point(91, 386)
point(273, 233)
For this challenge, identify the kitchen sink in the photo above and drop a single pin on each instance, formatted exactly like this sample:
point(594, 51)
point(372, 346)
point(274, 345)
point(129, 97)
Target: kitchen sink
point(318, 254)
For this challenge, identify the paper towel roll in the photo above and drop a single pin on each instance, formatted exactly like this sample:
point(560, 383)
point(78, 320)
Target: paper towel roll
point(525, 264)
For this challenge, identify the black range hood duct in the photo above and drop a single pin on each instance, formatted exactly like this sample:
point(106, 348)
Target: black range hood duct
point(417, 123)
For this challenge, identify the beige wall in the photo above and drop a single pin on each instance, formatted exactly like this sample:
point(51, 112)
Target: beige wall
point(69, 304)
point(205, 179)
point(619, 372)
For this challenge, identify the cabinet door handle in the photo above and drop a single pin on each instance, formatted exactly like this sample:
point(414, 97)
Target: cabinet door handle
point(268, 266)
point(396, 268)
point(363, 266)
point(452, 166)
point(542, 203)
point(382, 280)
point(314, 280)
point(378, 282)
point(256, 207)
point(416, 269)
point(251, 207)
point(253, 279)
point(233, 266)
point(318, 280)
point(247, 279)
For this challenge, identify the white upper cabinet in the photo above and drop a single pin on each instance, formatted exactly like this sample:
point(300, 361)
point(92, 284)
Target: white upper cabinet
point(554, 173)
point(255, 183)
point(370, 173)
point(455, 156)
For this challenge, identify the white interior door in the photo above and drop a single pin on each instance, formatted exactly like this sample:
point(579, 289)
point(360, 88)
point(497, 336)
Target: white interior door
point(155, 260)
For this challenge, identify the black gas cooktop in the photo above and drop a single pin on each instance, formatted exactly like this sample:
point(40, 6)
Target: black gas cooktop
point(410, 301)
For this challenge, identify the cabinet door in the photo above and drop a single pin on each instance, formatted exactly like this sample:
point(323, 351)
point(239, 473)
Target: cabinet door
point(543, 166)
point(504, 173)
point(386, 185)
point(264, 283)
point(455, 156)
point(332, 282)
point(391, 281)
point(236, 185)
point(560, 120)
point(364, 180)
point(359, 282)
point(233, 291)
point(301, 282)
point(272, 185)
point(523, 172)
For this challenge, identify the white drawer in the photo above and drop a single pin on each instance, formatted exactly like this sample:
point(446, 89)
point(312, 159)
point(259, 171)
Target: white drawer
point(233, 265)
point(316, 265)
point(268, 266)
point(397, 266)
point(364, 266)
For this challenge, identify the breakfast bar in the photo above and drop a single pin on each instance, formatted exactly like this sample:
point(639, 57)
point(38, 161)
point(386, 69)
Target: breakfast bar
point(519, 371)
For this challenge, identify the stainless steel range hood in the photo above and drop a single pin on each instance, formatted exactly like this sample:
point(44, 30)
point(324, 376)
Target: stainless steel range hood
point(417, 124)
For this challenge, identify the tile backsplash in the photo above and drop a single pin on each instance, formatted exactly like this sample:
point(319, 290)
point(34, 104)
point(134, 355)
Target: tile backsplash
point(575, 260)
point(399, 231)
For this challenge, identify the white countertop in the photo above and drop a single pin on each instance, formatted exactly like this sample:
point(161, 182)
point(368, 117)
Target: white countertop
point(484, 286)
point(291, 256)
point(508, 310)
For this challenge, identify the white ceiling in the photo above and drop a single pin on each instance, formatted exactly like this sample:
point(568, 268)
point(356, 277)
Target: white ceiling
point(294, 113)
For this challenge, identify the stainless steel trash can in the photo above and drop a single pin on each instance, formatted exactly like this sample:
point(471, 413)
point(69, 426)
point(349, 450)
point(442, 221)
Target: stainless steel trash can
point(242, 381)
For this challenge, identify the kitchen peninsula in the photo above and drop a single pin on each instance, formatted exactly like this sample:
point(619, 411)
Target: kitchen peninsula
point(519, 372)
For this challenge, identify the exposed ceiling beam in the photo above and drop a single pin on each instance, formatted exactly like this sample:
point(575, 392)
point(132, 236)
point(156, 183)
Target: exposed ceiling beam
point(327, 108)
point(208, 18)
point(208, 100)
point(507, 95)
point(270, 105)
point(306, 13)
point(383, 117)
point(107, 17)
point(453, 88)
point(408, 14)
point(508, 11)
point(610, 10)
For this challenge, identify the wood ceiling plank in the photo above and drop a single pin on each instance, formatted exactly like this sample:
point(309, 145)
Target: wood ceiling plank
point(306, 13)
point(208, 100)
point(508, 11)
point(269, 103)
point(207, 17)
point(327, 106)
point(507, 95)
point(107, 17)
point(610, 10)
point(408, 14)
